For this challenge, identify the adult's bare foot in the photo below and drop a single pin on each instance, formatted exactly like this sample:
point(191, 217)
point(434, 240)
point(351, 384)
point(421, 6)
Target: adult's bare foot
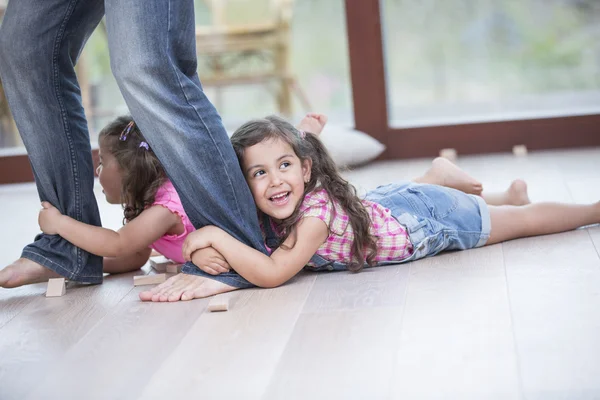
point(445, 173)
point(515, 195)
point(24, 272)
point(185, 287)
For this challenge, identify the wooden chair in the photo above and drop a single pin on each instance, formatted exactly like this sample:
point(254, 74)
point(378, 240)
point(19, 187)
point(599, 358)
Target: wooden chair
point(248, 45)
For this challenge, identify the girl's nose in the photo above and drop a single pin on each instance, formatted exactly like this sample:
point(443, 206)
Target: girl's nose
point(276, 180)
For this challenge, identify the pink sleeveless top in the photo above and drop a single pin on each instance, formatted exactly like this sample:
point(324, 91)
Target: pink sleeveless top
point(170, 245)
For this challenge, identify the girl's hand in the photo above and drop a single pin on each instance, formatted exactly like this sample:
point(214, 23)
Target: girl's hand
point(313, 123)
point(49, 219)
point(197, 240)
point(210, 261)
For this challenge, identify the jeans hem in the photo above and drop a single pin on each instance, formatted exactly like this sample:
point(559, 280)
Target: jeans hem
point(486, 221)
point(228, 278)
point(51, 265)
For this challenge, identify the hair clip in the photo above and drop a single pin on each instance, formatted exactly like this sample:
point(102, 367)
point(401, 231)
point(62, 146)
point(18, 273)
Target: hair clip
point(144, 145)
point(126, 131)
point(302, 134)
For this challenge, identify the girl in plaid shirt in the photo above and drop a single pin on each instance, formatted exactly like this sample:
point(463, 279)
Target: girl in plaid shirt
point(312, 216)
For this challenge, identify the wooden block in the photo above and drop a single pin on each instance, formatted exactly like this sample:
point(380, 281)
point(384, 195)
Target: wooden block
point(449, 154)
point(173, 268)
point(155, 253)
point(56, 287)
point(160, 263)
point(218, 303)
point(140, 280)
point(520, 150)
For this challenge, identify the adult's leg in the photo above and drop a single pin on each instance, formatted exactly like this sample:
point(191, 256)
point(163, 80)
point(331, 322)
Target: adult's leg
point(153, 57)
point(40, 41)
point(512, 222)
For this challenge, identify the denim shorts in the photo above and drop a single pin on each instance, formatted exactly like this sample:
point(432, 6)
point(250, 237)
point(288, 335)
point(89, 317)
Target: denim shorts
point(436, 218)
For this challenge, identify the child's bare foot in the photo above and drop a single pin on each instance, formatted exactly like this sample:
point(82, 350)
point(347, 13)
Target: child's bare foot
point(445, 173)
point(515, 195)
point(313, 123)
point(185, 287)
point(24, 272)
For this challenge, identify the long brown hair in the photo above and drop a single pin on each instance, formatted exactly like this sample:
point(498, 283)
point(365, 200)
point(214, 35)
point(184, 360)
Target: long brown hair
point(324, 174)
point(142, 173)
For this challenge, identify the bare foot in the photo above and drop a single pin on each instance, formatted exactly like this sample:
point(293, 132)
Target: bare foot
point(445, 173)
point(185, 287)
point(515, 195)
point(313, 123)
point(24, 272)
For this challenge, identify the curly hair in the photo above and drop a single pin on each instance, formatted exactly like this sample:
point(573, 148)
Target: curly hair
point(324, 175)
point(142, 172)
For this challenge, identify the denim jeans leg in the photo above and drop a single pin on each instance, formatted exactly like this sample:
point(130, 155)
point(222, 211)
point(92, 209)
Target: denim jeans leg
point(40, 40)
point(153, 57)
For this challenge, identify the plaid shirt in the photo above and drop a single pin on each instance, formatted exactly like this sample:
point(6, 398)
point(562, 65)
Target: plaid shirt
point(393, 243)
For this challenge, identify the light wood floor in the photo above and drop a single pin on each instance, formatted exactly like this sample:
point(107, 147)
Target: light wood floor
point(519, 320)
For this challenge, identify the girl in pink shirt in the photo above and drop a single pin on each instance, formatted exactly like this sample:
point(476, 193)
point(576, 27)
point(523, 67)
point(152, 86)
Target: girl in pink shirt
point(154, 218)
point(312, 216)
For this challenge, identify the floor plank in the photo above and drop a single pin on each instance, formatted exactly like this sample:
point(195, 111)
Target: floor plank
point(456, 340)
point(19, 299)
point(233, 354)
point(339, 355)
point(47, 328)
point(554, 287)
point(370, 288)
point(123, 349)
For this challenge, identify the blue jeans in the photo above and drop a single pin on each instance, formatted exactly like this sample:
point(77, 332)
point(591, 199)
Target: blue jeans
point(153, 57)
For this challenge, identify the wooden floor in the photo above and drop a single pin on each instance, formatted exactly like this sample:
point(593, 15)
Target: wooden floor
point(519, 320)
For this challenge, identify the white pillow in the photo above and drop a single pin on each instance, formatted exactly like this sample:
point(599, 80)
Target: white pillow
point(349, 147)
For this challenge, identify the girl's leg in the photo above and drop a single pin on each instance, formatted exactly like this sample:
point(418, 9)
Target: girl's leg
point(445, 173)
point(511, 222)
point(515, 195)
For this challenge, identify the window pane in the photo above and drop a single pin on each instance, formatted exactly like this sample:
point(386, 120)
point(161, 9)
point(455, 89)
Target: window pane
point(477, 60)
point(318, 68)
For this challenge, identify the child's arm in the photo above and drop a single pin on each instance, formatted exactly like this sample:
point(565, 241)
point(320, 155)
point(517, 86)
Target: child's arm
point(126, 263)
point(134, 237)
point(256, 267)
point(210, 261)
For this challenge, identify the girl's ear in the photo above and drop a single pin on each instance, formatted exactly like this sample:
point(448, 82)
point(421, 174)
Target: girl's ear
point(306, 169)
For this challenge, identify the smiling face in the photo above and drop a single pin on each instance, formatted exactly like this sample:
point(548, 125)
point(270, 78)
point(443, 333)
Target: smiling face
point(110, 176)
point(276, 177)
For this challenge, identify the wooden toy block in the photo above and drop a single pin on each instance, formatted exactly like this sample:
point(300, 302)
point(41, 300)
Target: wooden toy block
point(218, 303)
point(155, 253)
point(160, 263)
point(449, 154)
point(520, 150)
point(140, 280)
point(56, 287)
point(173, 268)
